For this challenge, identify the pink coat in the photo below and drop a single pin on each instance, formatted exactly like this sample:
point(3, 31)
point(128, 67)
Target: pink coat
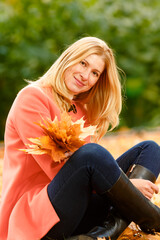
point(26, 212)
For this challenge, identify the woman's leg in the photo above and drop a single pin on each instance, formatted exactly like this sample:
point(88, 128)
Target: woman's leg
point(127, 200)
point(90, 168)
point(146, 154)
point(95, 215)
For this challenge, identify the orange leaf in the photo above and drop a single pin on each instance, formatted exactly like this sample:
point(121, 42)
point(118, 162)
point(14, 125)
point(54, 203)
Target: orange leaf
point(60, 137)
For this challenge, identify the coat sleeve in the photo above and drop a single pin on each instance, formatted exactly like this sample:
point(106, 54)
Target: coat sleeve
point(31, 105)
point(27, 212)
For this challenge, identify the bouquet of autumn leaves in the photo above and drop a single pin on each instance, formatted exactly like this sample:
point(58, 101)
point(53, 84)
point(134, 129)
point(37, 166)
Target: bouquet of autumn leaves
point(61, 138)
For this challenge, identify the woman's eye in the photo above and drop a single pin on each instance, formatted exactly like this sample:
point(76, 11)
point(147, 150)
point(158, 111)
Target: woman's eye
point(95, 74)
point(83, 63)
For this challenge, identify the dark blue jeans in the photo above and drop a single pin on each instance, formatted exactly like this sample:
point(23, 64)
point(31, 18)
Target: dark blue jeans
point(92, 168)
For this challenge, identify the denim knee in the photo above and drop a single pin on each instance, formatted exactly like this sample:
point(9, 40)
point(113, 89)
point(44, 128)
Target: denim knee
point(152, 156)
point(95, 157)
point(94, 154)
point(150, 143)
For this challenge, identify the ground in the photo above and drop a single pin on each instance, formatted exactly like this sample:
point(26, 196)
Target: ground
point(117, 143)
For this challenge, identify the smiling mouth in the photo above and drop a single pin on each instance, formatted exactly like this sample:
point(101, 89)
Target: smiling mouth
point(79, 83)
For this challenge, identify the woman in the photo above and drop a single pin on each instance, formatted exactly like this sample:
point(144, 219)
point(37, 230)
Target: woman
point(42, 199)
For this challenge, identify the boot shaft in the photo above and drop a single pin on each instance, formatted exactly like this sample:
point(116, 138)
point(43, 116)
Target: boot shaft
point(140, 172)
point(133, 205)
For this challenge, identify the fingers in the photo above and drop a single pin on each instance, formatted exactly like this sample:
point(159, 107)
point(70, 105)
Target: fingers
point(149, 189)
point(68, 154)
point(155, 188)
point(148, 195)
point(146, 187)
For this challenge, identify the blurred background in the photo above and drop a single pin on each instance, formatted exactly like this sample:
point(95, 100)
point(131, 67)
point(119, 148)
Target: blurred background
point(34, 33)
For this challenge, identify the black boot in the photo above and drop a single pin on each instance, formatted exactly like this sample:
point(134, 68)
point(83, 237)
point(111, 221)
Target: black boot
point(115, 224)
point(112, 228)
point(131, 204)
point(140, 172)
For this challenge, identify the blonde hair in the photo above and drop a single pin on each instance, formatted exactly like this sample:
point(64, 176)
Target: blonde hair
point(104, 96)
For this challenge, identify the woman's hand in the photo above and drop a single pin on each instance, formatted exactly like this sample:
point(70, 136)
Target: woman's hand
point(146, 187)
point(68, 155)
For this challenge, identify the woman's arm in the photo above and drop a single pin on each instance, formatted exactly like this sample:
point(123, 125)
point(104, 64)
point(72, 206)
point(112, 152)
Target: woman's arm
point(30, 106)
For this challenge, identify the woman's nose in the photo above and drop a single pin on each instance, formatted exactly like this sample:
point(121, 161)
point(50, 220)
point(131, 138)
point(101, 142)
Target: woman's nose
point(85, 75)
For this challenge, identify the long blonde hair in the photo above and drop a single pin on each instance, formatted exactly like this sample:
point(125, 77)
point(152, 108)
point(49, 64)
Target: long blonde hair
point(104, 96)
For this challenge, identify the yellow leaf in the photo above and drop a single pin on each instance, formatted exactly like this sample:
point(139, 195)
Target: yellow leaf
point(60, 137)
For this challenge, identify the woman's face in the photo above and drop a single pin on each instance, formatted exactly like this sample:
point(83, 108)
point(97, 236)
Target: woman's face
point(83, 75)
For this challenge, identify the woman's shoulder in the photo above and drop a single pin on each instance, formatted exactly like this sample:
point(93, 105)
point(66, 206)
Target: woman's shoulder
point(31, 88)
point(32, 93)
point(29, 97)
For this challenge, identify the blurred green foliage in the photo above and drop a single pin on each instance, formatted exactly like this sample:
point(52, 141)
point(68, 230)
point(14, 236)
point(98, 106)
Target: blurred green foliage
point(34, 33)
